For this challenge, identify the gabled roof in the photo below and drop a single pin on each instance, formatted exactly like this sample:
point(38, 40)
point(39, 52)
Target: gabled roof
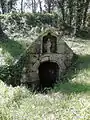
point(53, 32)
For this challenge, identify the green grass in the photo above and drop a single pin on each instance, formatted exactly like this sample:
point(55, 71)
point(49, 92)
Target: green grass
point(10, 50)
point(12, 46)
point(66, 101)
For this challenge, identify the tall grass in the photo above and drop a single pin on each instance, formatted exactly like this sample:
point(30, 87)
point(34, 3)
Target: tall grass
point(66, 101)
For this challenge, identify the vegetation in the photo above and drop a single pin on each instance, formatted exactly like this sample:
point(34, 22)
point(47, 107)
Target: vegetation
point(73, 14)
point(21, 25)
point(67, 101)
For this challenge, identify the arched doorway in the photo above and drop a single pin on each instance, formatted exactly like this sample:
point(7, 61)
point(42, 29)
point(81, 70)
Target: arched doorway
point(48, 74)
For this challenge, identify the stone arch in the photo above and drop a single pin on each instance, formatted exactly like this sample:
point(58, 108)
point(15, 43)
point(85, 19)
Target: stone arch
point(45, 59)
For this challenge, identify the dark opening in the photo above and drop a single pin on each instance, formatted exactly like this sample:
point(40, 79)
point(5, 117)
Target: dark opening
point(48, 74)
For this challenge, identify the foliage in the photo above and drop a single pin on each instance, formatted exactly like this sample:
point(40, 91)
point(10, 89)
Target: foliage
point(7, 5)
point(12, 74)
point(66, 101)
point(9, 100)
point(22, 23)
point(73, 13)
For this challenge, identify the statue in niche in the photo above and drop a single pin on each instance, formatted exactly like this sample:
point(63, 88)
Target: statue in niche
point(48, 45)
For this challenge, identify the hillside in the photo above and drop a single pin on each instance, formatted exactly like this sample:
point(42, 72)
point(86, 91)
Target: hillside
point(66, 101)
point(44, 59)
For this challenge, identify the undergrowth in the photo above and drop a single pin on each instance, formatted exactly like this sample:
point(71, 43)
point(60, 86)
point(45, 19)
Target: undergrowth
point(66, 101)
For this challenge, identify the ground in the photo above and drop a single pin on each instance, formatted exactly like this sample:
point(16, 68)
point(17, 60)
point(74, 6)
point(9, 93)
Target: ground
point(66, 101)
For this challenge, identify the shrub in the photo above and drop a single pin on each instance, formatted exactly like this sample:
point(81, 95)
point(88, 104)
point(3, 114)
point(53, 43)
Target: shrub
point(23, 23)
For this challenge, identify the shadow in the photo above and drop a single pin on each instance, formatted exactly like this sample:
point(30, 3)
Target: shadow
point(80, 62)
point(84, 62)
point(11, 46)
point(72, 88)
point(66, 85)
point(11, 74)
point(84, 34)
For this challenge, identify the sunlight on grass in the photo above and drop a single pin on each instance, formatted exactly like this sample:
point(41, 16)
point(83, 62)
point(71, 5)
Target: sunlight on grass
point(19, 104)
point(67, 101)
point(13, 47)
point(9, 51)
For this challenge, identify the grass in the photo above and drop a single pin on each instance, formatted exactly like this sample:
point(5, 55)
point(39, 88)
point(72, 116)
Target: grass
point(66, 101)
point(13, 47)
point(10, 50)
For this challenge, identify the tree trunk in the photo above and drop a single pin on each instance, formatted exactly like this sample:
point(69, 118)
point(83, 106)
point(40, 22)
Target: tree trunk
point(70, 6)
point(33, 6)
point(49, 8)
point(80, 6)
point(85, 12)
point(21, 6)
point(10, 6)
point(40, 6)
point(1, 31)
point(61, 5)
point(48, 4)
point(3, 7)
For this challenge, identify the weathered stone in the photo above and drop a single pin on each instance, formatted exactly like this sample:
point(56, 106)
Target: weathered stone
point(49, 54)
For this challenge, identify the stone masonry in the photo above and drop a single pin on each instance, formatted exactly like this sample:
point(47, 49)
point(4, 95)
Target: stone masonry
point(47, 48)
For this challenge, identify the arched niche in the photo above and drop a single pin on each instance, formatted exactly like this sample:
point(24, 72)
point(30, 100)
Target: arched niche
point(49, 44)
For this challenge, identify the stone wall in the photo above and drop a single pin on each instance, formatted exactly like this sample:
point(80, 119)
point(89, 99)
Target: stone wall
point(62, 55)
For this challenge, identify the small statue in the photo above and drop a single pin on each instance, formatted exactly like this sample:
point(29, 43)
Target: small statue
point(24, 77)
point(48, 46)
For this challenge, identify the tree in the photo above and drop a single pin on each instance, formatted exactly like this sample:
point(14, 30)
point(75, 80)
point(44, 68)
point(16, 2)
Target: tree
point(40, 5)
point(34, 6)
point(85, 12)
point(11, 5)
point(70, 7)
point(7, 5)
point(22, 6)
point(3, 6)
point(61, 4)
point(49, 5)
point(74, 12)
point(79, 17)
point(1, 31)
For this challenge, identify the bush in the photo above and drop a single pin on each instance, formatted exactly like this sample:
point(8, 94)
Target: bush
point(23, 23)
point(12, 74)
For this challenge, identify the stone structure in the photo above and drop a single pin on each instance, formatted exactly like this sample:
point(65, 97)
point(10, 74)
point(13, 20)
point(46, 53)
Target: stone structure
point(49, 58)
